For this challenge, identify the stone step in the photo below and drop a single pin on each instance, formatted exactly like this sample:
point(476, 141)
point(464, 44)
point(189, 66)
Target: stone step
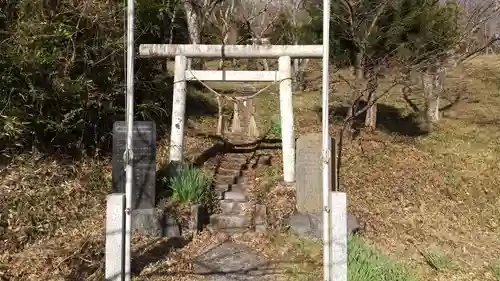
point(245, 172)
point(263, 160)
point(228, 231)
point(242, 181)
point(237, 156)
point(257, 161)
point(232, 165)
point(223, 221)
point(225, 179)
point(240, 208)
point(234, 207)
point(229, 171)
point(261, 228)
point(236, 194)
point(220, 190)
point(239, 138)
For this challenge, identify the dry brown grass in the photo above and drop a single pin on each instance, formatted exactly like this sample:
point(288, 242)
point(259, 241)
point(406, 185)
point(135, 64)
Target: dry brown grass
point(441, 190)
point(51, 213)
point(419, 196)
point(415, 195)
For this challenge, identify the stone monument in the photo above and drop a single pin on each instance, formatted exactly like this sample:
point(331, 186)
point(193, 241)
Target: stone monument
point(308, 173)
point(144, 162)
point(308, 221)
point(146, 219)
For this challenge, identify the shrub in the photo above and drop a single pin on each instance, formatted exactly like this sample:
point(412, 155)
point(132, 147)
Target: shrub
point(275, 130)
point(191, 185)
point(63, 73)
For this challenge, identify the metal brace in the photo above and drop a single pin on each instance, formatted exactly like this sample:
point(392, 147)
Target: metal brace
point(326, 157)
point(128, 156)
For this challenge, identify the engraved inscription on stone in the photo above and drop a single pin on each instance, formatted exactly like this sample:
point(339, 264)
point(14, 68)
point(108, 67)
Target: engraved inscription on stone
point(144, 162)
point(309, 173)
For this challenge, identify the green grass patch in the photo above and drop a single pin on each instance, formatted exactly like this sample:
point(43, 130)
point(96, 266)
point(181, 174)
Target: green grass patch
point(495, 269)
point(438, 259)
point(275, 128)
point(366, 264)
point(190, 185)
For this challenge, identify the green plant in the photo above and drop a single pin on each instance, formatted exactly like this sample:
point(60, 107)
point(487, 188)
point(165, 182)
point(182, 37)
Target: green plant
point(190, 185)
point(438, 259)
point(495, 268)
point(275, 130)
point(366, 263)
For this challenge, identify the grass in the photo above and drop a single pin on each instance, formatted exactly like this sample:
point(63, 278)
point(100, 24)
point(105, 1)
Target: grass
point(51, 214)
point(191, 185)
point(367, 263)
point(438, 190)
point(495, 269)
point(275, 130)
point(438, 259)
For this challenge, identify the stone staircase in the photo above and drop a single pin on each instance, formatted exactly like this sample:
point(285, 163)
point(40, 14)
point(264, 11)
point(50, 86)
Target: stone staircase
point(233, 178)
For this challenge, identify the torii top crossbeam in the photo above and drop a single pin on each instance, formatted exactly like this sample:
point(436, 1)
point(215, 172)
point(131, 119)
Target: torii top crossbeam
point(231, 51)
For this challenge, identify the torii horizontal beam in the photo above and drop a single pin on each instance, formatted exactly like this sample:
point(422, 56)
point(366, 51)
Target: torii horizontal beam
point(231, 51)
point(232, 75)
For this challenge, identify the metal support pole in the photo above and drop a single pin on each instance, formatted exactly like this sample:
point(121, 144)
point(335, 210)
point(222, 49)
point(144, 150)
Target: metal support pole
point(128, 157)
point(327, 249)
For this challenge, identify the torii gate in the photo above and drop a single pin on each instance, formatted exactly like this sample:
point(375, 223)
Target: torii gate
point(283, 76)
point(118, 259)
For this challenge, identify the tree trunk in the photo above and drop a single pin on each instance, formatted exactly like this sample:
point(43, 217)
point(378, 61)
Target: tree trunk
point(351, 111)
point(192, 23)
point(265, 41)
point(371, 112)
point(299, 66)
point(225, 41)
point(348, 129)
point(301, 81)
point(358, 65)
point(433, 85)
point(167, 24)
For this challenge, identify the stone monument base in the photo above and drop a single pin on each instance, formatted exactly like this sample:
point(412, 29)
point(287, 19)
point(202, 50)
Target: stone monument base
point(310, 225)
point(154, 222)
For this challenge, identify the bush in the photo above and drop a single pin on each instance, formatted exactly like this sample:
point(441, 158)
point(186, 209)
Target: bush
point(191, 185)
point(62, 73)
point(275, 130)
